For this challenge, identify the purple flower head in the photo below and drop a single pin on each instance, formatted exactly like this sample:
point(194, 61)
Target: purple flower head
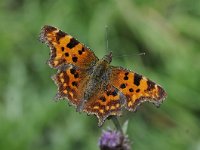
point(113, 140)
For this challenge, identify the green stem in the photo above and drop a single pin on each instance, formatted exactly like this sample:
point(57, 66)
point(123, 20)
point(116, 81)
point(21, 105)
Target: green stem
point(116, 123)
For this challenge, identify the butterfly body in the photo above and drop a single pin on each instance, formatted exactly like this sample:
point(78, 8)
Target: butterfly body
point(98, 78)
point(92, 85)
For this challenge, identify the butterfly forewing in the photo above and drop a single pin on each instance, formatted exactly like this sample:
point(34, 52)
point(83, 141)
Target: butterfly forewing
point(136, 88)
point(66, 49)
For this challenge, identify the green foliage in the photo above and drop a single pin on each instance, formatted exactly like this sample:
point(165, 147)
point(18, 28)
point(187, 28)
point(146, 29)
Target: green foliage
point(167, 31)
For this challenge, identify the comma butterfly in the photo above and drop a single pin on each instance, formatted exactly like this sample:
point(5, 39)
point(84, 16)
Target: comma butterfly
point(92, 85)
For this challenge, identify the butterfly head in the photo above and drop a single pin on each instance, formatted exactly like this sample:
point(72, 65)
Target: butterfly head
point(107, 58)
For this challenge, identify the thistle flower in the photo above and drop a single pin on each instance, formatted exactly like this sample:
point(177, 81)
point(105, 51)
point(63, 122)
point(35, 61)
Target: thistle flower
point(114, 140)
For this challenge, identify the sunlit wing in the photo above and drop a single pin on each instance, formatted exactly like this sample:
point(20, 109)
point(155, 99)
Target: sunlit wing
point(136, 88)
point(66, 49)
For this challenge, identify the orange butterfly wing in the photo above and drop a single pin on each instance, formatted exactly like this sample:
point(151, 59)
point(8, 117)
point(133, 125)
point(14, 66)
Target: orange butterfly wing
point(70, 81)
point(136, 88)
point(65, 49)
point(106, 102)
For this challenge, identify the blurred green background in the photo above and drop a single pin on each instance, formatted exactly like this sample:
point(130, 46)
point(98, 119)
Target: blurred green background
point(167, 31)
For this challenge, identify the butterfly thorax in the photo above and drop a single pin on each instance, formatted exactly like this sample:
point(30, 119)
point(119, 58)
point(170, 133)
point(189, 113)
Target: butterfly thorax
point(98, 78)
point(100, 68)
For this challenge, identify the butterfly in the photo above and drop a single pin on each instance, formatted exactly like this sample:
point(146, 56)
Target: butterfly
point(92, 85)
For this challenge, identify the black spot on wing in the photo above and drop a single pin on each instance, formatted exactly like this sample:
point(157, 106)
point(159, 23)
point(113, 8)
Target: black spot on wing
point(122, 86)
point(76, 75)
point(60, 35)
point(114, 93)
point(138, 90)
point(83, 49)
point(66, 54)
point(108, 93)
point(137, 79)
point(125, 78)
point(80, 52)
point(72, 71)
point(74, 83)
point(74, 59)
point(131, 90)
point(73, 42)
point(126, 74)
point(102, 98)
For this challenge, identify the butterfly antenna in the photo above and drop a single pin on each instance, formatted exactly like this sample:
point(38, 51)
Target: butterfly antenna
point(106, 38)
point(139, 54)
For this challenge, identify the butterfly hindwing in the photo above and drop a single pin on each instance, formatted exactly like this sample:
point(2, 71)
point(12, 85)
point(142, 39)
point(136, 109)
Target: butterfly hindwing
point(65, 49)
point(105, 103)
point(70, 81)
point(136, 88)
